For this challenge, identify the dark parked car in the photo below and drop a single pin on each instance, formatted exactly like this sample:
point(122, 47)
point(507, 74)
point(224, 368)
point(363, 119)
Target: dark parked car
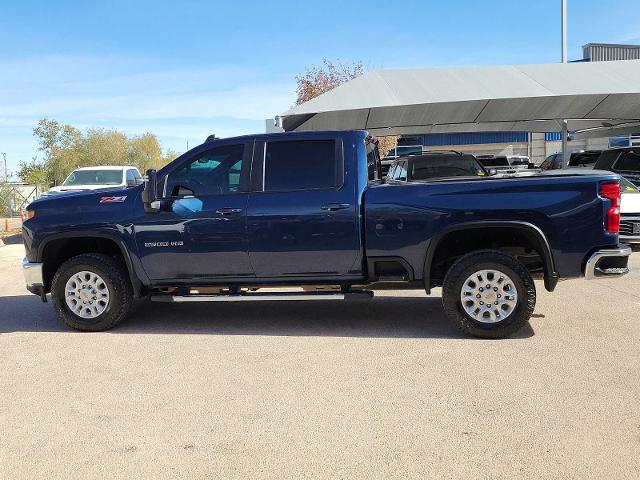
point(306, 209)
point(586, 159)
point(623, 161)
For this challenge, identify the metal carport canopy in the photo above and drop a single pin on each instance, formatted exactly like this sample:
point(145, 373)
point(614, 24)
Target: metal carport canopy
point(532, 98)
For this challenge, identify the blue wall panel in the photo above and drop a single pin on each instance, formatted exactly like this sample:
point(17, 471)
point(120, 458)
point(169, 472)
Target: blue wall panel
point(471, 138)
point(553, 136)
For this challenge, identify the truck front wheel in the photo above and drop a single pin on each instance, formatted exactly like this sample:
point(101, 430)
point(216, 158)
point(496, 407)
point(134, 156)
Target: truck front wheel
point(91, 292)
point(488, 294)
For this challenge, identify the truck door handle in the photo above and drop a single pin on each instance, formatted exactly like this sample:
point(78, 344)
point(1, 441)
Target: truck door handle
point(229, 211)
point(332, 207)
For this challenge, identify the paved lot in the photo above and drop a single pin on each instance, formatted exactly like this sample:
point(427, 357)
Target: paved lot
point(381, 389)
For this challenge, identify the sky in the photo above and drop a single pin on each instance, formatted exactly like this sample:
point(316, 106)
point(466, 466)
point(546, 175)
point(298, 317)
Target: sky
point(184, 70)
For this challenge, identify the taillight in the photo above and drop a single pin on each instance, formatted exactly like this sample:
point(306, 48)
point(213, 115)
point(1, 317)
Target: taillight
point(611, 191)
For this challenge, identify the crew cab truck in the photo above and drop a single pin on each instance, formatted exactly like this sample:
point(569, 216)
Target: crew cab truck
point(311, 209)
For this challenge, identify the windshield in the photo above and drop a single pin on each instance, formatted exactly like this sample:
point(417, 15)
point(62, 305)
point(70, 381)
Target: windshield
point(93, 177)
point(408, 150)
point(627, 187)
point(446, 166)
point(583, 159)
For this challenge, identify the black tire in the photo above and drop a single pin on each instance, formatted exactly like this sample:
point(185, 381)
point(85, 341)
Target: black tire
point(117, 282)
point(473, 262)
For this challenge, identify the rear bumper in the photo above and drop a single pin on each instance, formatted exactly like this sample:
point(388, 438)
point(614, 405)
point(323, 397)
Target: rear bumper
point(630, 228)
point(608, 262)
point(630, 238)
point(32, 275)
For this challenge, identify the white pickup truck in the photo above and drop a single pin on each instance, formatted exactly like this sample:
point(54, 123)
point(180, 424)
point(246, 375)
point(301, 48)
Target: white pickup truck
point(97, 178)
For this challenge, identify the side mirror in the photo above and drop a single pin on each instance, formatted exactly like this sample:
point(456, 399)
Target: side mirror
point(492, 171)
point(131, 182)
point(150, 192)
point(52, 184)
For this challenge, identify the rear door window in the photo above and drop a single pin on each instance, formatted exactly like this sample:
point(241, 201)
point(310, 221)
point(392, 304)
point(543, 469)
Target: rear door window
point(300, 165)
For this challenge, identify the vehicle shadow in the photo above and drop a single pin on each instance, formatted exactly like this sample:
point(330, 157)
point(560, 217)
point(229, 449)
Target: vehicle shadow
point(383, 317)
point(12, 239)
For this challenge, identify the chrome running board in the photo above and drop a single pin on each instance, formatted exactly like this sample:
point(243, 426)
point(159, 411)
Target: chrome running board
point(262, 297)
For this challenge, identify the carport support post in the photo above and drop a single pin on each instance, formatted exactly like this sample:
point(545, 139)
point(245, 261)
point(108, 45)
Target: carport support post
point(565, 149)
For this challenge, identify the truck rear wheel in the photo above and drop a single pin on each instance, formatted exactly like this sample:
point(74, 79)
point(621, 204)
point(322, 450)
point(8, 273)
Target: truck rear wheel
point(488, 294)
point(91, 292)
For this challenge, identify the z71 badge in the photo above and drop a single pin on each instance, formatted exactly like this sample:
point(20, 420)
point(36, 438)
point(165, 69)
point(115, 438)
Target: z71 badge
point(113, 199)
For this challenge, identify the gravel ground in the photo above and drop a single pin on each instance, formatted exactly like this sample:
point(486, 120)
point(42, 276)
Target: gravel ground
point(379, 389)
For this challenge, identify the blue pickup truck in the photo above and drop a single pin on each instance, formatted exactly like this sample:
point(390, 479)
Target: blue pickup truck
point(234, 216)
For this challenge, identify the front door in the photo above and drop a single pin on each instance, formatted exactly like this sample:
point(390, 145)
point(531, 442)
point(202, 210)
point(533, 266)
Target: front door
point(200, 231)
point(302, 218)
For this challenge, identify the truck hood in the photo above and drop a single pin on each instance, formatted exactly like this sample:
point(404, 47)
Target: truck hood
point(80, 198)
point(80, 188)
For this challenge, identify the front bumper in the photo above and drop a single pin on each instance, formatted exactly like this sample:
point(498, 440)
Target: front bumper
point(32, 275)
point(608, 262)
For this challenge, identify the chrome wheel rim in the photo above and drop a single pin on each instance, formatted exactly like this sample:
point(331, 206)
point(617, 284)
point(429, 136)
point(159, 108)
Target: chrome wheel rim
point(489, 296)
point(87, 294)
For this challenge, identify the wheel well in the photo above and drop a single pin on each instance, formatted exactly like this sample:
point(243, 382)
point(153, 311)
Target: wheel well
point(523, 243)
point(58, 251)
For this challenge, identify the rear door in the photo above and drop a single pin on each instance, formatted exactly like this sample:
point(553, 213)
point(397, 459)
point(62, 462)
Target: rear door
point(302, 219)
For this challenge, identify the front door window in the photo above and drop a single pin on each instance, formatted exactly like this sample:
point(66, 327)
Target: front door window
point(214, 172)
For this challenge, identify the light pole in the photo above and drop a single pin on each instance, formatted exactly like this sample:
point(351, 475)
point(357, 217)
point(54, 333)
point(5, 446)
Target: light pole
point(565, 129)
point(6, 176)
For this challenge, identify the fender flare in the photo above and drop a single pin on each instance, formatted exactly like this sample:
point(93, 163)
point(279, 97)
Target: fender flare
point(550, 275)
point(136, 282)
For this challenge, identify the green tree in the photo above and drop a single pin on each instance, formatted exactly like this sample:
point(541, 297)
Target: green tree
point(66, 148)
point(34, 172)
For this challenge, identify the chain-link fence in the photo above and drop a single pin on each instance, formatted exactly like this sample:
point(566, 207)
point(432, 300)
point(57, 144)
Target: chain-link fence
point(14, 198)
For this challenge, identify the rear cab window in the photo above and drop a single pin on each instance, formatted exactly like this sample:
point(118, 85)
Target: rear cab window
point(628, 162)
point(494, 161)
point(444, 166)
point(607, 159)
